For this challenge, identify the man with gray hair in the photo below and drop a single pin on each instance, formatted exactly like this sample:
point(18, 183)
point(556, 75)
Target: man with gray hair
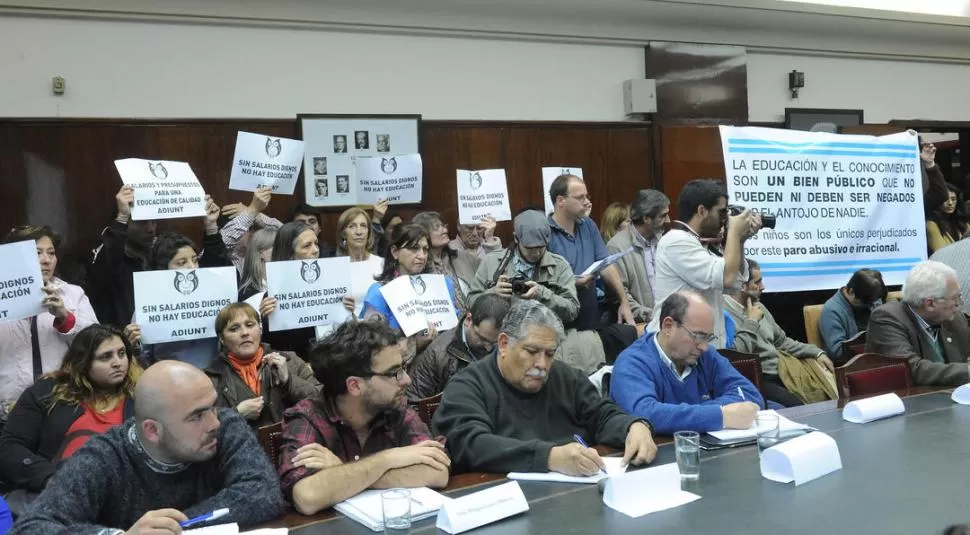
point(926, 327)
point(649, 216)
point(519, 411)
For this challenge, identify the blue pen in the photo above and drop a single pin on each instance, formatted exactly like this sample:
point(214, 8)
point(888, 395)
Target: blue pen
point(741, 393)
point(204, 518)
point(585, 445)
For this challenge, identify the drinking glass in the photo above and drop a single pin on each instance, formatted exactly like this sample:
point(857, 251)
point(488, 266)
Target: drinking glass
point(687, 446)
point(768, 431)
point(396, 506)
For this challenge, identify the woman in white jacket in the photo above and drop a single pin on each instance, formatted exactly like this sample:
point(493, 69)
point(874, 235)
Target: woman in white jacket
point(68, 312)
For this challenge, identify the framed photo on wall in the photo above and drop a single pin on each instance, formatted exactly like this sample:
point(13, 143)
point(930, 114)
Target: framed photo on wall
point(356, 159)
point(821, 120)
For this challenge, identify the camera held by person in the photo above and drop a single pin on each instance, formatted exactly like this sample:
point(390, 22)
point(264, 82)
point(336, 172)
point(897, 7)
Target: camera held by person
point(767, 220)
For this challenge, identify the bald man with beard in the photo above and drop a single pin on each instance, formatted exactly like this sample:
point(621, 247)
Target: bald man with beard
point(179, 457)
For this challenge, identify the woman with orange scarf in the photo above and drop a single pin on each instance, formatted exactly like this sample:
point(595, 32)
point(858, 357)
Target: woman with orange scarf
point(250, 376)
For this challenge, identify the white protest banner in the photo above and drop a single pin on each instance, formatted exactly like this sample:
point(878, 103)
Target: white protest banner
point(181, 304)
point(20, 281)
point(435, 299)
point(842, 203)
point(395, 178)
point(163, 189)
point(402, 299)
point(552, 173)
point(482, 194)
point(266, 161)
point(304, 296)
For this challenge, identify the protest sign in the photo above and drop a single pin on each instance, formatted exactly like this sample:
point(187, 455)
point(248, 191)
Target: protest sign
point(266, 161)
point(182, 304)
point(304, 296)
point(842, 203)
point(416, 299)
point(163, 189)
point(482, 194)
point(549, 174)
point(395, 178)
point(20, 281)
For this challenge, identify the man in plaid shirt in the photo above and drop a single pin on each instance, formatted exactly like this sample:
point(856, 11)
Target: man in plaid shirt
point(359, 434)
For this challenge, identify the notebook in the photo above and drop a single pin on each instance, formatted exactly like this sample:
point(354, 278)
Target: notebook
point(219, 529)
point(366, 509)
point(786, 428)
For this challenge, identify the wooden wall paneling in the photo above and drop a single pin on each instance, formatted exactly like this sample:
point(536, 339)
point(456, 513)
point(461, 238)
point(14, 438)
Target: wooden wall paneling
point(523, 172)
point(688, 152)
point(629, 165)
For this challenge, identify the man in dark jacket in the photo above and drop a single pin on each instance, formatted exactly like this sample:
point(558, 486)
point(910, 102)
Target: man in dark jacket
point(451, 351)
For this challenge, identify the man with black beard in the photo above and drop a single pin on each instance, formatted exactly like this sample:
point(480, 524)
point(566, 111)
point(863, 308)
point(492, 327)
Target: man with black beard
point(453, 350)
point(684, 260)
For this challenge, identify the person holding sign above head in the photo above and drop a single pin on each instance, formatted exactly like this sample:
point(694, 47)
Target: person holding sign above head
point(126, 246)
point(407, 255)
point(576, 238)
point(175, 251)
point(252, 378)
point(519, 410)
point(34, 346)
point(90, 393)
point(685, 260)
point(927, 328)
point(178, 458)
point(253, 279)
point(294, 241)
point(677, 380)
point(360, 433)
point(479, 239)
point(243, 221)
point(355, 238)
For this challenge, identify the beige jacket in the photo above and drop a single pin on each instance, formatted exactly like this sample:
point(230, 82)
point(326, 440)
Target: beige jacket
point(634, 274)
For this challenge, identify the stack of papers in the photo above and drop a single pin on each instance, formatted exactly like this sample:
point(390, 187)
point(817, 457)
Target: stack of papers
point(366, 507)
point(596, 267)
point(786, 427)
point(614, 467)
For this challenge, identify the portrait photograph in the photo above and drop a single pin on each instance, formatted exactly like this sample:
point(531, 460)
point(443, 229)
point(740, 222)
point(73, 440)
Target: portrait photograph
point(361, 139)
point(343, 184)
point(322, 189)
point(383, 143)
point(339, 144)
point(320, 165)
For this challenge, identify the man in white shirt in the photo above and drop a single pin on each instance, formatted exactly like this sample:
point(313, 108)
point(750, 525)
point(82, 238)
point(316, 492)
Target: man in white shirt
point(685, 259)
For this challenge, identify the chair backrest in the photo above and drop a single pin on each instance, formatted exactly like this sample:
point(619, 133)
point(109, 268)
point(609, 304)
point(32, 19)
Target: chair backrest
point(853, 346)
point(270, 438)
point(428, 406)
point(871, 373)
point(747, 364)
point(811, 314)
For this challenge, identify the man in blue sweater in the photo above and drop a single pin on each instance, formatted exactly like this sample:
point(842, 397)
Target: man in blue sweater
point(677, 380)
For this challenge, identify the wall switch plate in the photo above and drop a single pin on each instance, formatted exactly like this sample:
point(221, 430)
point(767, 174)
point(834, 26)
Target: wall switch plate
point(59, 85)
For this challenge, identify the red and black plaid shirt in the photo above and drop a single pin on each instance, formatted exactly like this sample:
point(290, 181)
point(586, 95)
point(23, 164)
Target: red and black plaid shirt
point(317, 420)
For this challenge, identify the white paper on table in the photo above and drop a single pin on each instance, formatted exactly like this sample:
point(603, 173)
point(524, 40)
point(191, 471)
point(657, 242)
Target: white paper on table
point(801, 459)
point(549, 174)
point(961, 395)
point(866, 410)
point(261, 160)
point(481, 194)
point(646, 491)
point(266, 531)
point(480, 508)
point(220, 529)
point(22, 291)
point(367, 509)
point(163, 189)
point(614, 467)
point(785, 426)
point(596, 267)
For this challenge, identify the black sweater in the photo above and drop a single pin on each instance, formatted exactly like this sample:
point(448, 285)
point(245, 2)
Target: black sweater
point(33, 436)
point(492, 427)
point(111, 482)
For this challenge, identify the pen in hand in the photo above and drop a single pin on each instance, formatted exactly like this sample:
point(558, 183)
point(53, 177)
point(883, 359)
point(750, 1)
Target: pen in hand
point(204, 518)
point(583, 443)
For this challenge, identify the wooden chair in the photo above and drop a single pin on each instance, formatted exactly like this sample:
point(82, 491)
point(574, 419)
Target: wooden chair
point(852, 347)
point(812, 313)
point(747, 364)
point(270, 438)
point(871, 373)
point(428, 406)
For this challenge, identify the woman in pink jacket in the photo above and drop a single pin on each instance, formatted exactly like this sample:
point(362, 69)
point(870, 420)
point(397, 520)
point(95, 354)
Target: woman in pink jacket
point(34, 346)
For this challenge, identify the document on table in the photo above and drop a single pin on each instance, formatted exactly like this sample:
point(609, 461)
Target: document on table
point(614, 467)
point(220, 529)
point(785, 427)
point(646, 491)
point(867, 410)
point(267, 531)
point(367, 509)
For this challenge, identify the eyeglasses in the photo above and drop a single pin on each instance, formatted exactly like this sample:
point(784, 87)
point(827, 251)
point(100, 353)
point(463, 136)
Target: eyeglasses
point(957, 299)
point(698, 337)
point(396, 374)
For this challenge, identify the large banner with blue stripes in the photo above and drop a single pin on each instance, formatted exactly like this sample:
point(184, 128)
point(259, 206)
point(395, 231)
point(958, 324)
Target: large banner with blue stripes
point(842, 203)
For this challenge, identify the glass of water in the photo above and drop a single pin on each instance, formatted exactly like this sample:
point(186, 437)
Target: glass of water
point(687, 446)
point(396, 505)
point(768, 431)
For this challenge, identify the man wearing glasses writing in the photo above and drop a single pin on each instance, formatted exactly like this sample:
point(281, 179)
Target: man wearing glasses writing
point(677, 380)
point(359, 434)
